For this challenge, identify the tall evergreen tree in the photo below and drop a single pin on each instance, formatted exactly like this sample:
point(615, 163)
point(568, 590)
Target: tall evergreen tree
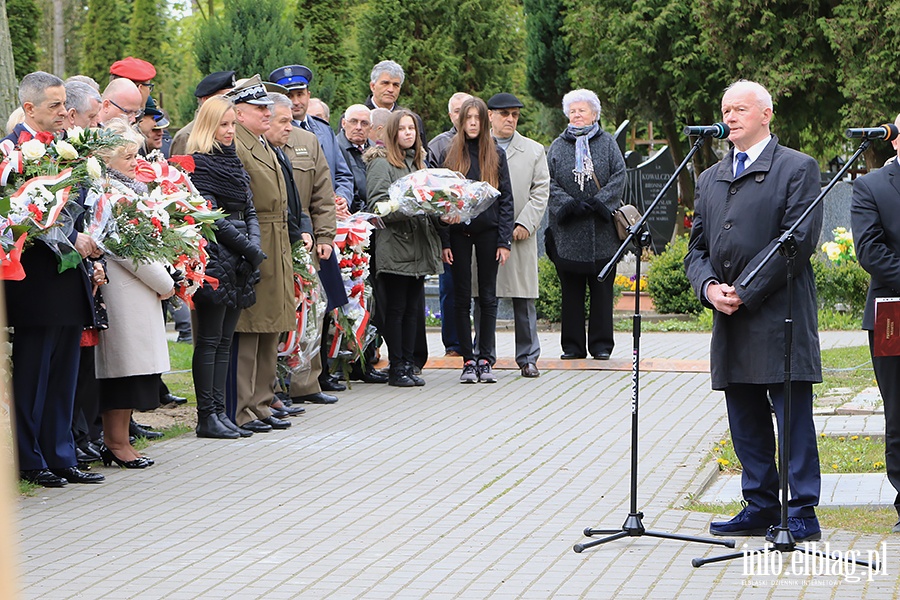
point(782, 46)
point(323, 29)
point(642, 60)
point(104, 38)
point(147, 29)
point(24, 19)
point(249, 36)
point(547, 53)
point(8, 99)
point(444, 47)
point(865, 37)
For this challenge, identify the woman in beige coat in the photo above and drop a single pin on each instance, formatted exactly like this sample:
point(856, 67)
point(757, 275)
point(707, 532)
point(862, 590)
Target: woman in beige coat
point(133, 352)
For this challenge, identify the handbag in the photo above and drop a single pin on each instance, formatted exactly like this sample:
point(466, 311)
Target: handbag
point(625, 217)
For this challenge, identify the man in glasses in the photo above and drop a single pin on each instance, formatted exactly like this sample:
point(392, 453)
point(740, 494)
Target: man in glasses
point(353, 140)
point(121, 99)
point(152, 126)
point(140, 72)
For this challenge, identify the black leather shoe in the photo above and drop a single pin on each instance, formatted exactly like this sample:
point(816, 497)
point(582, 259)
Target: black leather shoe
point(317, 398)
point(228, 423)
point(278, 413)
point(331, 384)
point(374, 376)
point(76, 475)
point(744, 523)
point(140, 432)
point(572, 356)
point(530, 370)
point(171, 398)
point(292, 411)
point(276, 423)
point(85, 457)
point(43, 477)
point(602, 356)
point(256, 426)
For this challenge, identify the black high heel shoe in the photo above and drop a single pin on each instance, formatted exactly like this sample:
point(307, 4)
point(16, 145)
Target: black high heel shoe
point(109, 458)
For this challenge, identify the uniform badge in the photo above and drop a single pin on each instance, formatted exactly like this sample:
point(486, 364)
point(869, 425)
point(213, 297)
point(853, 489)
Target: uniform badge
point(301, 151)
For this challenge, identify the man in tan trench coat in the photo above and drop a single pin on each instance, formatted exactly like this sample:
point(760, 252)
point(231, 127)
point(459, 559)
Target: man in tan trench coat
point(260, 325)
point(530, 177)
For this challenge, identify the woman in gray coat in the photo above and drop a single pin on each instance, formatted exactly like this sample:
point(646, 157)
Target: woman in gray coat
point(587, 176)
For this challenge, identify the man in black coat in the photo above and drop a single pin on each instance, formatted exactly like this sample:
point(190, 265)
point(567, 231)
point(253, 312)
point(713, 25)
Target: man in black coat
point(742, 205)
point(875, 220)
point(47, 310)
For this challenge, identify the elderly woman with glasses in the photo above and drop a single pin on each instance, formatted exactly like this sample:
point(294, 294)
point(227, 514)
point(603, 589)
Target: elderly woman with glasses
point(587, 177)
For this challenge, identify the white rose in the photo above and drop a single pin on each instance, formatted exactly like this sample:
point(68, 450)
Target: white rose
point(33, 149)
point(75, 134)
point(65, 150)
point(93, 168)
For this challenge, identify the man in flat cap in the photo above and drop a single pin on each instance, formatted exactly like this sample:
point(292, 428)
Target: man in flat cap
point(530, 178)
point(257, 332)
point(214, 84)
point(140, 72)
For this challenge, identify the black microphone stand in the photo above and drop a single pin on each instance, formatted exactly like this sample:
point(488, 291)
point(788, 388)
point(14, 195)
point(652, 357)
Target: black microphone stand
point(786, 245)
point(634, 526)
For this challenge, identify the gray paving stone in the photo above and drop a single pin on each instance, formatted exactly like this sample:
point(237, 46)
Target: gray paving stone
point(447, 491)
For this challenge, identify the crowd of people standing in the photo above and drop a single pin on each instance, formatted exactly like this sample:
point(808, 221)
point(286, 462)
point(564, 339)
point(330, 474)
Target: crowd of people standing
point(264, 153)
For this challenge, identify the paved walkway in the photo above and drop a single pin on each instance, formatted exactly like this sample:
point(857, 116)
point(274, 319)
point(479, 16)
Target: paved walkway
point(446, 491)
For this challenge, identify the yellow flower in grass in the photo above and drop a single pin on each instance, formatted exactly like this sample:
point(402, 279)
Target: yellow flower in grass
point(834, 466)
point(723, 442)
point(878, 464)
point(854, 437)
point(867, 438)
point(841, 438)
point(723, 462)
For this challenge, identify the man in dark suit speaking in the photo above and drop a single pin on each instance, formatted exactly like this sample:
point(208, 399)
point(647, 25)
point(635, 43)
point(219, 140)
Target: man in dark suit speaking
point(742, 206)
point(875, 222)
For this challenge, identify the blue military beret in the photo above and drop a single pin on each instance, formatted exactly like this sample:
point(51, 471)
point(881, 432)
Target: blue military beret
point(293, 77)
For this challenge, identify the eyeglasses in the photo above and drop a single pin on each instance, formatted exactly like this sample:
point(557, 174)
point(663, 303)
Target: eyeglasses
point(147, 85)
point(130, 113)
point(508, 113)
point(357, 122)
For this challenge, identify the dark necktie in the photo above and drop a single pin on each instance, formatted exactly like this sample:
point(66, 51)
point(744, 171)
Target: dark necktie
point(742, 157)
point(304, 125)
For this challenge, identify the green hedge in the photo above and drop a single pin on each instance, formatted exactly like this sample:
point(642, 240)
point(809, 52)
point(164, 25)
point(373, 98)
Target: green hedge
point(667, 283)
point(845, 284)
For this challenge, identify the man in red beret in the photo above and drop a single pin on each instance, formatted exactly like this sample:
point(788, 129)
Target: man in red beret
point(139, 71)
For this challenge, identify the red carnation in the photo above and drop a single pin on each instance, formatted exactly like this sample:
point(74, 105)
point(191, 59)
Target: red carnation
point(35, 211)
point(45, 137)
point(25, 136)
point(156, 223)
point(189, 219)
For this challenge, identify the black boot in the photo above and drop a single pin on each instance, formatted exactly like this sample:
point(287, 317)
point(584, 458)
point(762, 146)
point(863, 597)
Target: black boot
point(209, 426)
point(398, 376)
point(411, 373)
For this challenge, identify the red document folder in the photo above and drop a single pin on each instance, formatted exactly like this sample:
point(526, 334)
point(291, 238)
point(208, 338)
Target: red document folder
point(887, 327)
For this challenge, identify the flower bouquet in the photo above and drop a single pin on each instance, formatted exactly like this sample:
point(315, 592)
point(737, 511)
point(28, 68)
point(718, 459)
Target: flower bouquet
point(297, 347)
point(43, 170)
point(352, 330)
point(438, 192)
point(166, 223)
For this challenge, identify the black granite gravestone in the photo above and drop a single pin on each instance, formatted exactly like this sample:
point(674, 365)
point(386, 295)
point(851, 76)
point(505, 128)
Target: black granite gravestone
point(643, 183)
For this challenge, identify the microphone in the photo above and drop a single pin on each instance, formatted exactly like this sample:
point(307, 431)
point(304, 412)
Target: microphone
point(719, 131)
point(887, 132)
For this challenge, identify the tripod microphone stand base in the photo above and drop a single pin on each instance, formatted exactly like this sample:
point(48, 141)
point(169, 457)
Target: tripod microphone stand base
point(634, 527)
point(784, 543)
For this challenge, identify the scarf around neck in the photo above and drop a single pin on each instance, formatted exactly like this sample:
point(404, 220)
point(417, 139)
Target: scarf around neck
point(584, 164)
point(221, 174)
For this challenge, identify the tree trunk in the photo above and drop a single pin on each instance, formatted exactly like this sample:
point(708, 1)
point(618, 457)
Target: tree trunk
point(59, 39)
point(8, 84)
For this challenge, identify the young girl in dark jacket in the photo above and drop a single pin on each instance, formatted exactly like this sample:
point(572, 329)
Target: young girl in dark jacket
point(474, 153)
point(234, 258)
point(407, 249)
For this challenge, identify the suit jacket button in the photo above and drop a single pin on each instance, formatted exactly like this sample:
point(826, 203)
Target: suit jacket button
point(727, 226)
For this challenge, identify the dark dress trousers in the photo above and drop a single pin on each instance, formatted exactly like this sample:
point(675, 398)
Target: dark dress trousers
point(875, 221)
point(736, 222)
point(48, 311)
